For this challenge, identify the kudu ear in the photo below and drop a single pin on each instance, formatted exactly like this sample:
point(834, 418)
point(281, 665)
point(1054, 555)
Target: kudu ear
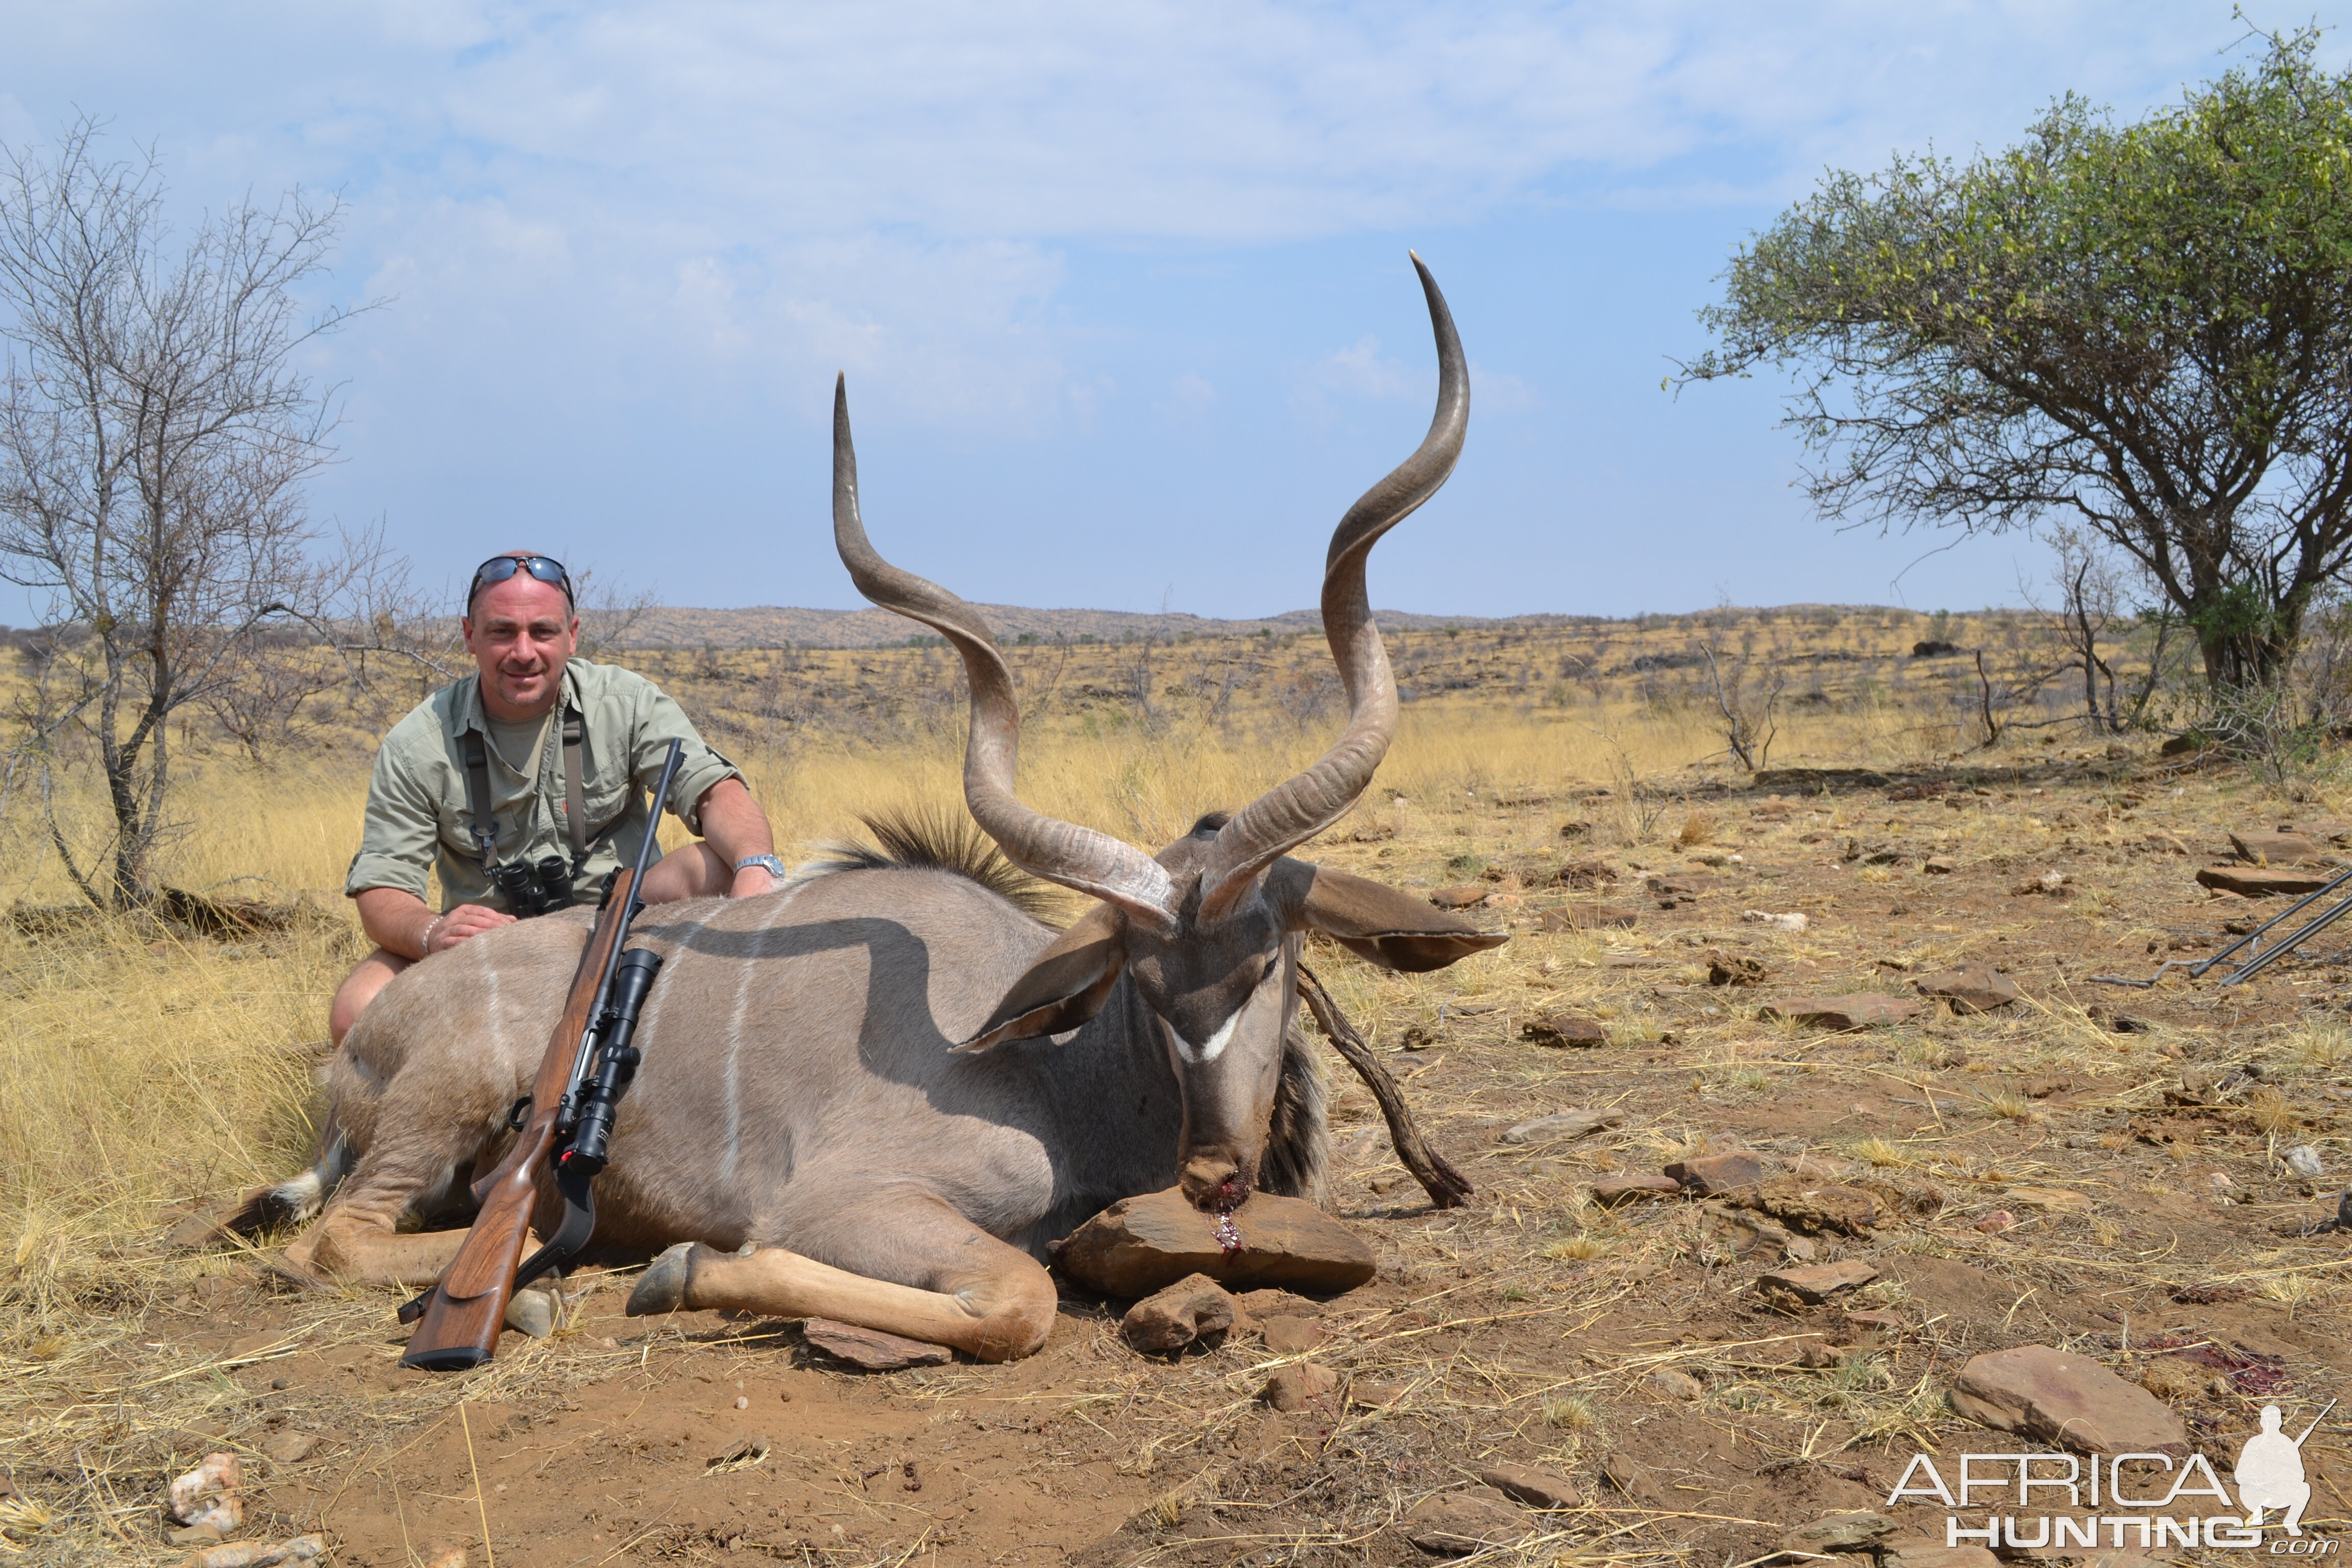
point(1065, 986)
point(1374, 920)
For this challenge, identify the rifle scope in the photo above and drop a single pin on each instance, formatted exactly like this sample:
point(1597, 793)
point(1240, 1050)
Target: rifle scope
point(616, 1060)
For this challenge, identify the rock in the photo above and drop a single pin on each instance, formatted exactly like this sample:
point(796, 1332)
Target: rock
point(210, 1498)
point(1840, 1533)
point(1996, 1221)
point(2305, 1160)
point(1292, 1336)
point(1815, 1207)
point(1816, 1282)
point(1298, 1383)
point(1584, 874)
point(1454, 1524)
point(2064, 1199)
point(1195, 1308)
point(1812, 781)
point(1884, 1322)
point(1712, 1173)
point(1934, 649)
point(445, 1555)
point(1939, 866)
point(871, 1349)
point(1976, 989)
point(1676, 1384)
point(1144, 1244)
point(1734, 969)
point(1589, 917)
point(1536, 1488)
point(267, 1555)
point(2282, 848)
point(289, 1448)
point(1631, 1478)
point(1684, 884)
point(1364, 1395)
point(1562, 1126)
point(1574, 829)
point(1470, 895)
point(1611, 1191)
point(2261, 883)
point(1819, 1357)
point(1558, 1029)
point(2067, 1399)
point(1863, 1010)
point(1789, 922)
point(1930, 1555)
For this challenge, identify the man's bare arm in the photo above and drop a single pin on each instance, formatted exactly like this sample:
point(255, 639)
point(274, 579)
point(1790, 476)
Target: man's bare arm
point(400, 922)
point(734, 826)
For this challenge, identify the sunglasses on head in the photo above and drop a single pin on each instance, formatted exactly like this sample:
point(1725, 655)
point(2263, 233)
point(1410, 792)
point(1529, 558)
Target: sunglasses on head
point(498, 568)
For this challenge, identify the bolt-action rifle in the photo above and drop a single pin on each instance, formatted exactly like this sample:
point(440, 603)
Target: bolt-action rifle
point(565, 1121)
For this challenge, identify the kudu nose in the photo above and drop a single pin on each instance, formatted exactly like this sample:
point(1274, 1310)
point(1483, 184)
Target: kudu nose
point(1213, 1183)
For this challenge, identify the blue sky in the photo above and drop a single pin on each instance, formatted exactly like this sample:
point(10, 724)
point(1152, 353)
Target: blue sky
point(1120, 289)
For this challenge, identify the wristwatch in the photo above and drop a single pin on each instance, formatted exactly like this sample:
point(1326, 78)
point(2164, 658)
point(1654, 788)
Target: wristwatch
point(768, 863)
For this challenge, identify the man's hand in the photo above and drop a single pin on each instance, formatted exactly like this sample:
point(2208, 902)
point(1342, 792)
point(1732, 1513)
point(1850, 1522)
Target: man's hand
point(750, 882)
point(465, 920)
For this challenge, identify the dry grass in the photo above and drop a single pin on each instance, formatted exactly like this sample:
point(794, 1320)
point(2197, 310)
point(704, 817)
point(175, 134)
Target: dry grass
point(147, 1072)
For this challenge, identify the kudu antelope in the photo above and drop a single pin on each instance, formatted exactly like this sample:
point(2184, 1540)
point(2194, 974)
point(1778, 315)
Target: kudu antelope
point(875, 1095)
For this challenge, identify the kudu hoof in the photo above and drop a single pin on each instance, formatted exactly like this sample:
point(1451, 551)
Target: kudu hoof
point(663, 1288)
point(533, 1312)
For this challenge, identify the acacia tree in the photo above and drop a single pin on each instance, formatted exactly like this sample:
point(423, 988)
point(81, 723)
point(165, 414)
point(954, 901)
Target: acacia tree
point(155, 432)
point(2146, 329)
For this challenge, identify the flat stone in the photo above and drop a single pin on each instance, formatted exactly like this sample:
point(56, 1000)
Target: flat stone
point(1468, 895)
point(2261, 883)
point(1939, 866)
point(1976, 989)
point(2066, 1399)
point(1145, 1244)
point(1840, 1533)
point(1562, 1126)
point(2062, 1198)
point(1817, 1282)
point(1589, 917)
point(1862, 1010)
point(1195, 1308)
point(1735, 969)
point(1620, 1470)
point(1684, 884)
point(1362, 1395)
point(2274, 848)
point(1454, 1524)
point(1292, 1336)
point(871, 1349)
point(1535, 1488)
point(289, 1447)
point(1676, 1384)
point(1301, 1383)
point(1815, 1207)
point(1933, 1556)
point(1611, 1191)
point(1558, 1029)
point(1712, 1173)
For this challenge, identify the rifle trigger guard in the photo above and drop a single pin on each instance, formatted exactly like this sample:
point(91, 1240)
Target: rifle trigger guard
point(519, 1113)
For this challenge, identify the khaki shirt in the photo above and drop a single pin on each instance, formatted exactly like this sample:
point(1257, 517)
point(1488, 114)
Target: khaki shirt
point(418, 817)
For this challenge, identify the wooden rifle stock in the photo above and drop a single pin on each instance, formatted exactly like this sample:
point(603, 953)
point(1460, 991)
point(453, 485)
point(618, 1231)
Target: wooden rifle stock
point(463, 1313)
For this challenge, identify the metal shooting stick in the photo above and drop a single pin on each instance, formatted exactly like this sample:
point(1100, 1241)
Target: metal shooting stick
point(2284, 945)
point(2315, 1421)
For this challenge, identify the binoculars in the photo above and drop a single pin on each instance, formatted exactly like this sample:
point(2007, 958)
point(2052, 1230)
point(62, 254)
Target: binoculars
point(534, 887)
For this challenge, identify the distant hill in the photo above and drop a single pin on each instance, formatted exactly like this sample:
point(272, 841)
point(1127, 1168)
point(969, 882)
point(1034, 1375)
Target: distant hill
point(769, 626)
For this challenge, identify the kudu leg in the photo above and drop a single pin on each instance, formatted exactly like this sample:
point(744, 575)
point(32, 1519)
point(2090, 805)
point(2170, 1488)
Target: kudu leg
point(970, 1291)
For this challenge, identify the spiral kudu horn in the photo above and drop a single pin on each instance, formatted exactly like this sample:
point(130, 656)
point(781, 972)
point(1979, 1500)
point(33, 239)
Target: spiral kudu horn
point(1288, 814)
point(1044, 845)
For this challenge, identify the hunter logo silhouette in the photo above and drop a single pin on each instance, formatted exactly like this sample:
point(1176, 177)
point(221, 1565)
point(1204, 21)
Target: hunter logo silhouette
point(2270, 1471)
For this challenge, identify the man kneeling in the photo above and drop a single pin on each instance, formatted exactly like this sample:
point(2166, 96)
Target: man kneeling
point(524, 783)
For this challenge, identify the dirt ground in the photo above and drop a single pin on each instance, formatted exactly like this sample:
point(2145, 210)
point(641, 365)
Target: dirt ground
point(2137, 1138)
